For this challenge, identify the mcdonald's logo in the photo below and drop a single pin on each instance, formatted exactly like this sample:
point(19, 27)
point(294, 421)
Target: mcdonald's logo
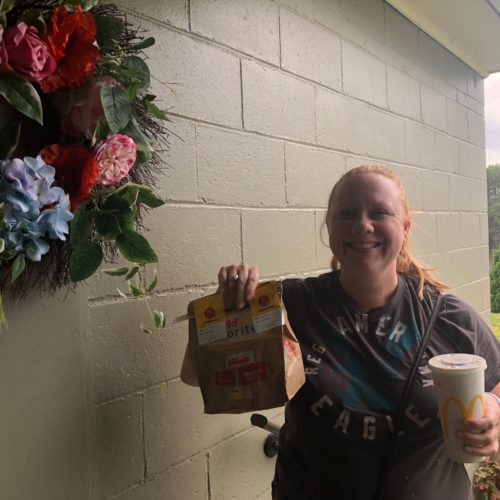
point(464, 412)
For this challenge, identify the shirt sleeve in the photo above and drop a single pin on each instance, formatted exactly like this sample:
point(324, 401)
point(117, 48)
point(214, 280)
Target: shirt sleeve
point(466, 331)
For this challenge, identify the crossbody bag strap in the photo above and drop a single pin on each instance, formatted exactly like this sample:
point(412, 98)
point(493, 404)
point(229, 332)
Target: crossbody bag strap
point(409, 381)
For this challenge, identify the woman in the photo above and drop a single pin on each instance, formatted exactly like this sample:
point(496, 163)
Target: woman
point(359, 328)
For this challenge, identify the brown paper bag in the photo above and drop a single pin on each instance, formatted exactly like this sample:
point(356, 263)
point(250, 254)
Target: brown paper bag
point(246, 359)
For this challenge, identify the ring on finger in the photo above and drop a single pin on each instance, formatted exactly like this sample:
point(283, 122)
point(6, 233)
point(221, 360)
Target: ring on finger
point(235, 277)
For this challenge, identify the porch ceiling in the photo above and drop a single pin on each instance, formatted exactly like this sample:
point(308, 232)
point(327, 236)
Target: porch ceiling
point(470, 29)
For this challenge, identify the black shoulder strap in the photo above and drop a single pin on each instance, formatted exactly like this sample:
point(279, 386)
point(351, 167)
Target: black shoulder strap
point(409, 381)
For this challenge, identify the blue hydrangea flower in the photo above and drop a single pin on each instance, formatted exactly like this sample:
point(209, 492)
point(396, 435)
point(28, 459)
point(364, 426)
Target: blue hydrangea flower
point(33, 209)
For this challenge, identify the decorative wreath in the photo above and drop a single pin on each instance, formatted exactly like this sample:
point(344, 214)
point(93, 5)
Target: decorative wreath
point(80, 137)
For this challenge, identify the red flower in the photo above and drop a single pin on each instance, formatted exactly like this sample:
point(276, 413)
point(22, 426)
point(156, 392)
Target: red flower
point(76, 170)
point(71, 38)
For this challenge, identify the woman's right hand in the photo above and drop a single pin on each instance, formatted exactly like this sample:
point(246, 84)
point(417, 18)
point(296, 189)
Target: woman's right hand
point(244, 277)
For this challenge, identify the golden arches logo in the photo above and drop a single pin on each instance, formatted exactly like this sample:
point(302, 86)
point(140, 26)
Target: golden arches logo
point(464, 412)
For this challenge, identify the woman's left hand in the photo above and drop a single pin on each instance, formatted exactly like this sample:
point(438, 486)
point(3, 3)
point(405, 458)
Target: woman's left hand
point(481, 435)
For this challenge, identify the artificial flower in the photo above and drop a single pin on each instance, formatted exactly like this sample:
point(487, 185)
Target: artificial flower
point(25, 53)
point(76, 170)
point(28, 220)
point(71, 38)
point(81, 108)
point(115, 156)
point(55, 220)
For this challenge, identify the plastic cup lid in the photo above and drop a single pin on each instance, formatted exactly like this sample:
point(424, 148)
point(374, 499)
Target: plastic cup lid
point(457, 362)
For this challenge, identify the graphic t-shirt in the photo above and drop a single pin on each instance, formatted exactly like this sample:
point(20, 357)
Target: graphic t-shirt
point(337, 426)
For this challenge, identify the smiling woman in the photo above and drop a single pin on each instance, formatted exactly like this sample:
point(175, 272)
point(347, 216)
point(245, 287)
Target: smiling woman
point(360, 330)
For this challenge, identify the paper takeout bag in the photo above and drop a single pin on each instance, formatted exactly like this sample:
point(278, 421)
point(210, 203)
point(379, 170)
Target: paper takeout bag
point(246, 359)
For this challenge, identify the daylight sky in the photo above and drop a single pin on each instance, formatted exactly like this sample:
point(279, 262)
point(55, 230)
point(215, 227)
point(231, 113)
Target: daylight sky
point(492, 117)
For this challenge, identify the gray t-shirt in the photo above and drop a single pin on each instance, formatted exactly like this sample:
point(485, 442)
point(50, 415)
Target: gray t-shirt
point(337, 426)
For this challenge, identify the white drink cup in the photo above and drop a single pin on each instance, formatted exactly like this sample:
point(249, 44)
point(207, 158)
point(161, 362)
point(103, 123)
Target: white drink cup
point(459, 384)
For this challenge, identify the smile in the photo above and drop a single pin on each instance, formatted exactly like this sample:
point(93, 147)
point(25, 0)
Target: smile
point(363, 246)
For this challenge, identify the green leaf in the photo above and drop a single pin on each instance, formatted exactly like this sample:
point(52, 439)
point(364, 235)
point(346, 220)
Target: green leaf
point(108, 32)
point(84, 260)
point(141, 141)
point(117, 107)
point(153, 283)
point(9, 137)
point(21, 95)
point(115, 202)
point(34, 17)
point(71, 5)
point(156, 111)
point(129, 193)
point(143, 157)
point(135, 71)
point(136, 292)
point(132, 272)
point(145, 330)
point(135, 248)
point(8, 254)
point(143, 44)
point(117, 271)
point(6, 5)
point(18, 267)
point(79, 227)
point(149, 198)
point(101, 131)
point(132, 91)
point(121, 294)
point(110, 225)
point(160, 321)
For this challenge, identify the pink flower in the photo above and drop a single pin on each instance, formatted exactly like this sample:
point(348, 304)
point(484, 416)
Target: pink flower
point(80, 109)
point(115, 157)
point(27, 54)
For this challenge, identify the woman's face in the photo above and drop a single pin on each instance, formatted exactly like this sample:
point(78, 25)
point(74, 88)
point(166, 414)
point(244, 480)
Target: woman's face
point(367, 225)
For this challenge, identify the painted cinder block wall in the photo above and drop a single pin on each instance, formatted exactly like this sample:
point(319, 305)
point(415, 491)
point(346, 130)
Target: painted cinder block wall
point(271, 102)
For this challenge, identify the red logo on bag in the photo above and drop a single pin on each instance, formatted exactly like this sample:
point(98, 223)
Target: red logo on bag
point(209, 312)
point(252, 373)
point(263, 300)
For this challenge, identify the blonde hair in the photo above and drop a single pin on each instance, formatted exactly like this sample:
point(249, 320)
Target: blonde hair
point(406, 263)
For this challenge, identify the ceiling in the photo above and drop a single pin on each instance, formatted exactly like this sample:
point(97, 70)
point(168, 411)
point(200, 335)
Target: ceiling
point(470, 29)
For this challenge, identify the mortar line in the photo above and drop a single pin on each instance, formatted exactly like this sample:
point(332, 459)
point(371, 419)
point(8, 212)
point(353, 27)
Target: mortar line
point(242, 256)
point(284, 174)
point(256, 133)
point(279, 35)
point(197, 180)
point(233, 51)
point(241, 96)
point(195, 288)
point(143, 436)
point(316, 238)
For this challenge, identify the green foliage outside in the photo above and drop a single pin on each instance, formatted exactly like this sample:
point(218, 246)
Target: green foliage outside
point(495, 324)
point(493, 182)
point(495, 283)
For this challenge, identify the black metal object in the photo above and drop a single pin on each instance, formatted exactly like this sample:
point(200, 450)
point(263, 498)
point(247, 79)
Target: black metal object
point(271, 444)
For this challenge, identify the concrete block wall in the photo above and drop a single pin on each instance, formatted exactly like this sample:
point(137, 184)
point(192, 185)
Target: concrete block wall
point(271, 101)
